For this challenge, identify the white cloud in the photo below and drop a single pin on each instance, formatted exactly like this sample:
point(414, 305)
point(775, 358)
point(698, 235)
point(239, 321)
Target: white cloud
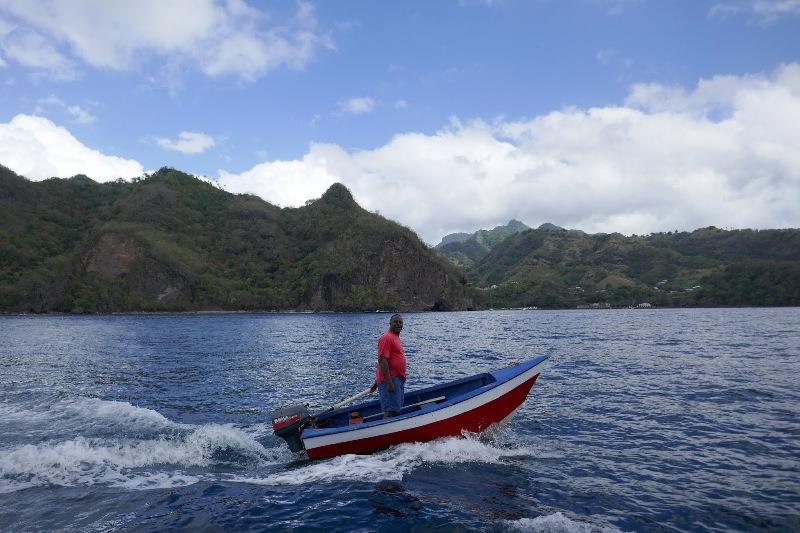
point(400, 104)
point(357, 106)
point(724, 153)
point(609, 56)
point(77, 113)
point(615, 7)
point(36, 148)
point(219, 38)
point(489, 3)
point(606, 55)
point(52, 100)
point(188, 142)
point(32, 50)
point(767, 11)
point(291, 183)
point(80, 115)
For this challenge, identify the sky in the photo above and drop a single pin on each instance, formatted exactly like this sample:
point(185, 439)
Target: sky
point(630, 116)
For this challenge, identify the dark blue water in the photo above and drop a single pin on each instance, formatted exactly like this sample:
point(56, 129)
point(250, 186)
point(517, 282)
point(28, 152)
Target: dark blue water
point(657, 420)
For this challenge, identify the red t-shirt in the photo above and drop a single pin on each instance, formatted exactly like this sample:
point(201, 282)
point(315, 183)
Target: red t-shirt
point(390, 347)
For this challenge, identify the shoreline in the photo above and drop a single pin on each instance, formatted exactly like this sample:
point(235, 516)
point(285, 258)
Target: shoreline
point(381, 311)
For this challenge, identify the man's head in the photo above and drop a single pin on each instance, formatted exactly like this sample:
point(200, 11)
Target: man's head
point(396, 323)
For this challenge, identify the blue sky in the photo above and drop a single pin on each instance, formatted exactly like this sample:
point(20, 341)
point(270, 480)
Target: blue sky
point(603, 115)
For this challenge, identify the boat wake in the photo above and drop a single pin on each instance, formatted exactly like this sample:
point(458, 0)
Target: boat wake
point(119, 444)
point(394, 463)
point(49, 416)
point(557, 523)
point(88, 441)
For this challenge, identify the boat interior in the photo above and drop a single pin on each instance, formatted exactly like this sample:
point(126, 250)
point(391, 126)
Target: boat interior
point(414, 402)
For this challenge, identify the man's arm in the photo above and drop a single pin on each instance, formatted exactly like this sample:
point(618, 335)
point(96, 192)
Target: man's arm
point(387, 378)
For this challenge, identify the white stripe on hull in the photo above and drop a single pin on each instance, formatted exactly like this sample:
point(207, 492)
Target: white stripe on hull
point(428, 418)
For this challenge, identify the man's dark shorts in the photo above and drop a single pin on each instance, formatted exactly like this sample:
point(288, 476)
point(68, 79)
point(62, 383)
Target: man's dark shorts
point(392, 401)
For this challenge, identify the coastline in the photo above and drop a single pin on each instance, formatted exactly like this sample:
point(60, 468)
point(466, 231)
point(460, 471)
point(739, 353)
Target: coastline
point(382, 311)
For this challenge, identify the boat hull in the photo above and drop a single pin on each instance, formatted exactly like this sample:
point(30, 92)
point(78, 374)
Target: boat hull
point(474, 414)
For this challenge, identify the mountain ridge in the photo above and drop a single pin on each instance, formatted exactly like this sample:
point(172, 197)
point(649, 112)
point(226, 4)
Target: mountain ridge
point(706, 267)
point(169, 241)
point(464, 249)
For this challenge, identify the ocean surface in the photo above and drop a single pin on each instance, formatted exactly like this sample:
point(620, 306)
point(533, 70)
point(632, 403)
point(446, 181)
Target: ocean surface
point(646, 420)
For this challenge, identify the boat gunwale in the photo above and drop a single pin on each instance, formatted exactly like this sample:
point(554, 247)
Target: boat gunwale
point(501, 375)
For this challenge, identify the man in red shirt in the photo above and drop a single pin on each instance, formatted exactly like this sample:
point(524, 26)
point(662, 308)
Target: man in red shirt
point(390, 375)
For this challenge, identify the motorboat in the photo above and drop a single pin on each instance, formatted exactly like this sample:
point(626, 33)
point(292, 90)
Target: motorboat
point(467, 405)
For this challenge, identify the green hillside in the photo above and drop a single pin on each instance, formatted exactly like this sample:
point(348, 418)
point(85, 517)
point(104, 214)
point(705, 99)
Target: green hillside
point(464, 250)
point(706, 267)
point(170, 241)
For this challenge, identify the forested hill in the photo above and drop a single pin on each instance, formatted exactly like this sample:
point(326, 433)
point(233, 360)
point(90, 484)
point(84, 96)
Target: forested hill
point(170, 241)
point(465, 249)
point(706, 267)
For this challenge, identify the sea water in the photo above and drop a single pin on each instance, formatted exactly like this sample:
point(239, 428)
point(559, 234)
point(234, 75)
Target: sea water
point(678, 420)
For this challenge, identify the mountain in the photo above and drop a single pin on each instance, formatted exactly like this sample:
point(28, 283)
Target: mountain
point(464, 249)
point(550, 227)
point(454, 237)
point(705, 267)
point(170, 241)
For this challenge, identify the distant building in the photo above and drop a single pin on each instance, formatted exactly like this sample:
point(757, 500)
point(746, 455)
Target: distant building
point(596, 305)
point(644, 305)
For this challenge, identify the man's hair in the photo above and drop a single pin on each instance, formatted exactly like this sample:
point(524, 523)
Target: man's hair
point(395, 315)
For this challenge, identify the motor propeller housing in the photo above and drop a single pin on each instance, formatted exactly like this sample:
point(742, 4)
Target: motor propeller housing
point(288, 422)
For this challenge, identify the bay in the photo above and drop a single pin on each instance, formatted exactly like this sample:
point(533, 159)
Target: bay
point(679, 420)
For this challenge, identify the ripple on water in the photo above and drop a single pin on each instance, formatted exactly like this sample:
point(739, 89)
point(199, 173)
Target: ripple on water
point(671, 419)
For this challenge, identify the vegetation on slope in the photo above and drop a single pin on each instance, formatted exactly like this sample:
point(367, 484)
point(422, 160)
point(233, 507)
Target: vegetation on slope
point(172, 242)
point(464, 249)
point(705, 267)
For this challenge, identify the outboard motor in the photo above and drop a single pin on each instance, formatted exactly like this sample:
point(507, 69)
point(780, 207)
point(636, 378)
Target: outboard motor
point(288, 422)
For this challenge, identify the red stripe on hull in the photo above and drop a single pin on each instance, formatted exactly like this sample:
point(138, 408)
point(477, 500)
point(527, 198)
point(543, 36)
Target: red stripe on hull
point(474, 421)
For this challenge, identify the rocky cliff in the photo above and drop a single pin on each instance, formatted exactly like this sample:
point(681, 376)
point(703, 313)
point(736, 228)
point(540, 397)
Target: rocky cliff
point(172, 242)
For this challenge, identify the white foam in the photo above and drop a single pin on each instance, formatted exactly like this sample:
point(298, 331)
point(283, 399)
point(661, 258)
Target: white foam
point(157, 480)
point(89, 461)
point(393, 463)
point(557, 523)
point(118, 412)
point(258, 430)
point(70, 413)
